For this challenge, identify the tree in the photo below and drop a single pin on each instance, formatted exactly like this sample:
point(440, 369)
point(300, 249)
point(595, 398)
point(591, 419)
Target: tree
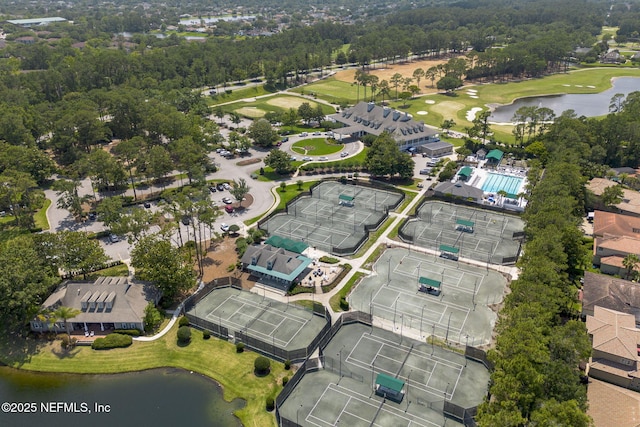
point(299, 183)
point(447, 124)
point(616, 103)
point(306, 112)
point(262, 133)
point(152, 317)
point(239, 189)
point(396, 80)
point(418, 74)
point(612, 195)
point(69, 199)
point(279, 161)
point(78, 253)
point(283, 186)
point(385, 158)
point(65, 313)
point(128, 152)
point(630, 262)
point(384, 89)
point(234, 228)
point(157, 261)
point(262, 365)
point(449, 84)
point(431, 74)
point(184, 334)
point(235, 118)
point(219, 113)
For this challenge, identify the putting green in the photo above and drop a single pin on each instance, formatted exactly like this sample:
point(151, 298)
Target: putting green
point(316, 147)
point(250, 112)
point(289, 102)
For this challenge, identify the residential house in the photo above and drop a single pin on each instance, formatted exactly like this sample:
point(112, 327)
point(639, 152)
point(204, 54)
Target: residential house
point(630, 203)
point(616, 236)
point(615, 341)
point(367, 118)
point(612, 57)
point(612, 293)
point(105, 304)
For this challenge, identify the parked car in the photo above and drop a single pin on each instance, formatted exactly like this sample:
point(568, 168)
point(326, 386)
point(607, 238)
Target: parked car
point(285, 139)
point(293, 158)
point(147, 205)
point(344, 154)
point(306, 158)
point(226, 185)
point(227, 201)
point(228, 208)
point(185, 220)
point(212, 188)
point(425, 171)
point(323, 158)
point(220, 187)
point(113, 238)
point(304, 134)
point(224, 227)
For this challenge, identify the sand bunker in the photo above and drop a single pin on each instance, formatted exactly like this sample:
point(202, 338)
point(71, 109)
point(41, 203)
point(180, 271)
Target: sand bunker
point(250, 112)
point(566, 85)
point(422, 113)
point(471, 114)
point(472, 90)
point(289, 102)
point(591, 87)
point(473, 96)
point(429, 101)
point(578, 85)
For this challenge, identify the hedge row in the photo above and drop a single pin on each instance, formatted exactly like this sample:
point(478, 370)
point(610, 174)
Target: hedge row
point(113, 340)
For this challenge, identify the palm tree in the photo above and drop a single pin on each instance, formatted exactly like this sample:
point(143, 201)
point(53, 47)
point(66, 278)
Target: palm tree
point(65, 313)
point(630, 262)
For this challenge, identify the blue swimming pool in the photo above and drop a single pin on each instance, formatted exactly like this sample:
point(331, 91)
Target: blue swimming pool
point(496, 182)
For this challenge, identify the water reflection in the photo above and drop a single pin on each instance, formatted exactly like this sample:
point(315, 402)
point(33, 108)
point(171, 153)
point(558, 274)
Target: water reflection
point(588, 105)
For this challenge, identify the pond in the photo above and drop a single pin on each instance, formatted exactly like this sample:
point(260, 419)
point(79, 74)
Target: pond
point(159, 397)
point(588, 105)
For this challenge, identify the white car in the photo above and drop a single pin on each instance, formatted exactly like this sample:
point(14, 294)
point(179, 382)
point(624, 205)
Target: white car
point(227, 201)
point(316, 134)
point(113, 238)
point(306, 158)
point(224, 227)
point(344, 154)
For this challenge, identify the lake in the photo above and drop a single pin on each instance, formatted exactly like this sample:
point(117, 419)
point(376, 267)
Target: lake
point(588, 105)
point(159, 397)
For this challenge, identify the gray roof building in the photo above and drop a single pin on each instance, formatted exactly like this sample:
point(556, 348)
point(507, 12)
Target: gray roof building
point(368, 118)
point(278, 265)
point(107, 303)
point(458, 189)
point(36, 21)
point(612, 293)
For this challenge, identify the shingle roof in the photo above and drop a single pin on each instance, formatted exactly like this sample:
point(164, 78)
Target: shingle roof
point(621, 244)
point(129, 299)
point(276, 262)
point(610, 292)
point(459, 189)
point(374, 119)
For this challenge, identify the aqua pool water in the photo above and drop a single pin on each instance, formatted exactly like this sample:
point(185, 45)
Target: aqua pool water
point(496, 182)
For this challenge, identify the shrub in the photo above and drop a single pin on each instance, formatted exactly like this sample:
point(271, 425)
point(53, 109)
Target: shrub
point(270, 404)
point(262, 365)
point(285, 380)
point(184, 321)
point(231, 267)
point(206, 335)
point(184, 334)
point(112, 341)
point(344, 304)
point(239, 347)
point(329, 260)
point(131, 332)
point(287, 364)
point(68, 341)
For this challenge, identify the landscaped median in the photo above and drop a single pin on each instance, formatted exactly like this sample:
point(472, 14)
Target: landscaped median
point(213, 358)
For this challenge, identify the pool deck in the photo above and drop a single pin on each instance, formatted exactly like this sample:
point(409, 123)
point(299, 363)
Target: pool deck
point(481, 174)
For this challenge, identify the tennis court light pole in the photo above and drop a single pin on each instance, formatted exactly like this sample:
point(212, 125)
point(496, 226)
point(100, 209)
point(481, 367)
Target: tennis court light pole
point(421, 314)
point(433, 334)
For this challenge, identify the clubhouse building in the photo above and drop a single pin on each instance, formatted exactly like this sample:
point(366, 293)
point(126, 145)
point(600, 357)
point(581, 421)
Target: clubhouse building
point(367, 118)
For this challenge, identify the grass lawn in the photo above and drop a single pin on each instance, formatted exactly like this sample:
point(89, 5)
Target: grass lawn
point(358, 158)
point(214, 358)
point(316, 147)
point(253, 108)
point(290, 191)
point(331, 90)
point(334, 302)
point(40, 217)
point(249, 92)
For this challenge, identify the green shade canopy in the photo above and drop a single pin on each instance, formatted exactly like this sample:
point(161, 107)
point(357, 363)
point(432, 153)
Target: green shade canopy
point(450, 249)
point(466, 171)
point(465, 222)
point(495, 155)
point(429, 282)
point(346, 198)
point(390, 383)
point(287, 244)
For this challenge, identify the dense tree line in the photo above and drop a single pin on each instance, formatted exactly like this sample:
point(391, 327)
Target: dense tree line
point(541, 340)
